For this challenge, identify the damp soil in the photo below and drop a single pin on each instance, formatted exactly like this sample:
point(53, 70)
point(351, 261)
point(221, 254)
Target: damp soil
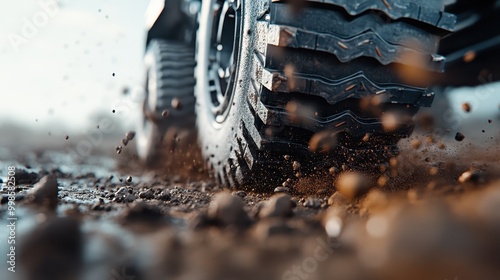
point(433, 212)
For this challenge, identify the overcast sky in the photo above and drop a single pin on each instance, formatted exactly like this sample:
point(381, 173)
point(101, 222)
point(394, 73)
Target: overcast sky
point(57, 60)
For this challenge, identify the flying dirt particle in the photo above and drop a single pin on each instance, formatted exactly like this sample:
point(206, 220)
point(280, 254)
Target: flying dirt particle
point(490, 121)
point(113, 74)
point(366, 138)
point(459, 137)
point(382, 181)
point(466, 107)
point(469, 56)
point(165, 113)
point(124, 141)
point(390, 122)
point(425, 121)
point(393, 162)
point(332, 170)
point(118, 149)
point(130, 135)
point(129, 179)
point(323, 141)
point(416, 144)
point(113, 111)
point(472, 176)
point(296, 165)
point(429, 139)
point(176, 103)
point(483, 131)
point(67, 137)
point(433, 171)
point(287, 157)
point(352, 185)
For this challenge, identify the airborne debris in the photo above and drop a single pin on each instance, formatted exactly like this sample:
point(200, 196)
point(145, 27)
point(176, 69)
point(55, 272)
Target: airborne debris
point(466, 107)
point(459, 137)
point(130, 135)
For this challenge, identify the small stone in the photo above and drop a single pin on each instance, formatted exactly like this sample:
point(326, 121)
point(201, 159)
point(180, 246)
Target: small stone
point(45, 192)
point(118, 149)
point(352, 185)
point(67, 137)
point(148, 194)
point(287, 157)
point(176, 104)
point(472, 176)
point(124, 142)
point(129, 179)
point(416, 144)
point(332, 170)
point(130, 135)
point(296, 166)
point(312, 202)
point(279, 205)
point(459, 137)
point(228, 210)
point(165, 113)
point(466, 107)
point(281, 190)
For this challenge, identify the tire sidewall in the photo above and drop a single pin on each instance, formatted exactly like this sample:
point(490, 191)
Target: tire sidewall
point(217, 139)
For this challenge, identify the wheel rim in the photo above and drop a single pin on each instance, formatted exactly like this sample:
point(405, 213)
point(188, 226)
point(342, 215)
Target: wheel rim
point(223, 54)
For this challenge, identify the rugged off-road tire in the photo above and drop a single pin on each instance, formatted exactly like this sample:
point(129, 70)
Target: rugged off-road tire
point(167, 131)
point(285, 89)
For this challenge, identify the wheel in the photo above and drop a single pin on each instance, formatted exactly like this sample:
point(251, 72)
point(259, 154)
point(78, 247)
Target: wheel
point(167, 132)
point(284, 91)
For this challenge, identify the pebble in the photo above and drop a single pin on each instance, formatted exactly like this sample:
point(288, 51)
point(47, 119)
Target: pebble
point(148, 194)
point(124, 141)
point(296, 166)
point(130, 135)
point(352, 185)
point(227, 210)
point(279, 205)
point(45, 192)
point(459, 137)
point(466, 107)
point(129, 179)
point(472, 176)
point(282, 190)
point(176, 104)
point(312, 202)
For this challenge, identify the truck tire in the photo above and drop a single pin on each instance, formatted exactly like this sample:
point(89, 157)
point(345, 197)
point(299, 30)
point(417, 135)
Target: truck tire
point(285, 91)
point(167, 131)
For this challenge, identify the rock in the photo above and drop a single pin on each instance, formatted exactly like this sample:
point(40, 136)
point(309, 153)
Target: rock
point(130, 135)
point(282, 190)
point(24, 177)
point(472, 176)
point(279, 205)
point(148, 194)
point(459, 137)
point(466, 107)
point(312, 202)
point(142, 212)
point(228, 210)
point(337, 199)
point(129, 179)
point(352, 185)
point(45, 192)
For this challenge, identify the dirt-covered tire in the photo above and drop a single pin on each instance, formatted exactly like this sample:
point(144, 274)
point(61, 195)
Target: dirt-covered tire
point(167, 129)
point(303, 88)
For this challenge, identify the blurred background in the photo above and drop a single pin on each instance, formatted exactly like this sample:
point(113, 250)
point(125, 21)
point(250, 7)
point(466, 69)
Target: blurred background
point(66, 65)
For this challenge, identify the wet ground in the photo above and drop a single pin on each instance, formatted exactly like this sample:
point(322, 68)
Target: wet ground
point(431, 213)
